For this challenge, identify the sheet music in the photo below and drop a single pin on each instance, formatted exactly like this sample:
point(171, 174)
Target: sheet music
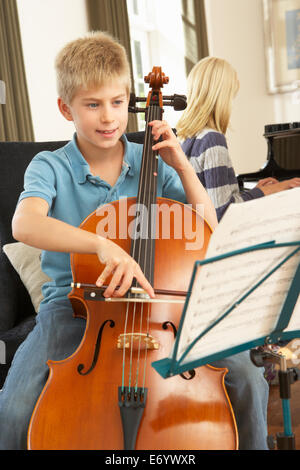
point(220, 284)
point(294, 323)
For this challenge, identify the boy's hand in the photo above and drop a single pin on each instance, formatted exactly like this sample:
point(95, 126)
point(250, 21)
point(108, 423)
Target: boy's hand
point(173, 155)
point(169, 148)
point(123, 269)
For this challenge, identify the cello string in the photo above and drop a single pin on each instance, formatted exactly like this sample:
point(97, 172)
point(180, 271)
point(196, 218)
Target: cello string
point(133, 250)
point(143, 245)
point(137, 247)
point(149, 251)
point(124, 348)
point(139, 349)
point(145, 199)
point(137, 253)
point(131, 348)
point(147, 194)
point(137, 258)
point(153, 190)
point(147, 203)
point(146, 349)
point(148, 162)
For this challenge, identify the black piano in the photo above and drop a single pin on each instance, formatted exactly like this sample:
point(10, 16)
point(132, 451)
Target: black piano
point(283, 156)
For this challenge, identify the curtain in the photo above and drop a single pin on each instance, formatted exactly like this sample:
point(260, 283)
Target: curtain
point(111, 16)
point(195, 32)
point(15, 116)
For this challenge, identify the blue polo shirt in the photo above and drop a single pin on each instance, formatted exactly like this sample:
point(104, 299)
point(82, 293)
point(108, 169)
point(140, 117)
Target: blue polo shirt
point(63, 178)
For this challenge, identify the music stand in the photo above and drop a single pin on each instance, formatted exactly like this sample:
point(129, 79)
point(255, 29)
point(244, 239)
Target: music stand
point(254, 304)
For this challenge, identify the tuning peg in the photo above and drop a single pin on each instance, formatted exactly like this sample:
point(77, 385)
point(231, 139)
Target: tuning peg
point(177, 101)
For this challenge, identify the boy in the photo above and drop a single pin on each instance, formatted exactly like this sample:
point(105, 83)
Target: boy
point(61, 188)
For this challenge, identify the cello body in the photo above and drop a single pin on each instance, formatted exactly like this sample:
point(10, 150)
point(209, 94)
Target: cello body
point(106, 395)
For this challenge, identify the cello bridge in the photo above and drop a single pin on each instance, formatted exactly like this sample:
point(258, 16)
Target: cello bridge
point(141, 340)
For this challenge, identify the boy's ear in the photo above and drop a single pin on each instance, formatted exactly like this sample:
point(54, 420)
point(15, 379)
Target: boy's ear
point(64, 109)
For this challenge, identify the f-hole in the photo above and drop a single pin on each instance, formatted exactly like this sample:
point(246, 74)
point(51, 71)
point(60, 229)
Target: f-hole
point(191, 372)
point(97, 349)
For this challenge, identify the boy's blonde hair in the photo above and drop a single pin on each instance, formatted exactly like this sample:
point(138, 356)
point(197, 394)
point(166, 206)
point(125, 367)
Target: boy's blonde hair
point(212, 84)
point(89, 62)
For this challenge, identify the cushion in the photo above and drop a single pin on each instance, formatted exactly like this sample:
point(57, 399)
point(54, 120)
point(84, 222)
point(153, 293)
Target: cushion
point(26, 261)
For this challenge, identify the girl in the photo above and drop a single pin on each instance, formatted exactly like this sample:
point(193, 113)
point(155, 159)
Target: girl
point(212, 86)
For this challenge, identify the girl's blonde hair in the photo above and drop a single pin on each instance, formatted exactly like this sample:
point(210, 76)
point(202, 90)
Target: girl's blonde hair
point(211, 86)
point(91, 61)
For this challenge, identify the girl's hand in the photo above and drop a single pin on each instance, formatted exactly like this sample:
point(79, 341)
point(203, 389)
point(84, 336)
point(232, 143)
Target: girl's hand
point(282, 186)
point(266, 181)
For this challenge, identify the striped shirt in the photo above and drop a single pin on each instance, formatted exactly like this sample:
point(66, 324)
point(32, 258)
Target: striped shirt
point(208, 154)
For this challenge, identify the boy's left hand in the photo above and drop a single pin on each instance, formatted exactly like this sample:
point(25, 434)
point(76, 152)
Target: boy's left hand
point(169, 148)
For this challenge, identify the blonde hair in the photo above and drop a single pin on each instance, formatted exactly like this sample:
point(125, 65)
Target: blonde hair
point(91, 61)
point(211, 86)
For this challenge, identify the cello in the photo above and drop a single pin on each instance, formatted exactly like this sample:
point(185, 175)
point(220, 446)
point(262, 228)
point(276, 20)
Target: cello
point(106, 395)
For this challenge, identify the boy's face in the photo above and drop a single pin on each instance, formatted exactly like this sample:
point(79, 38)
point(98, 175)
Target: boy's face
point(100, 115)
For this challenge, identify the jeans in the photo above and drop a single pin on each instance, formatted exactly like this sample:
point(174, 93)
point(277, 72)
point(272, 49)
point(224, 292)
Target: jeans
point(57, 335)
point(248, 392)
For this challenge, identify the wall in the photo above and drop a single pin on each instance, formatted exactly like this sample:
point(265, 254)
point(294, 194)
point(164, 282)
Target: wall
point(45, 27)
point(236, 33)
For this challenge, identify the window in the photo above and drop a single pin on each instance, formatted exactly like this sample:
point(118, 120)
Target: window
point(157, 39)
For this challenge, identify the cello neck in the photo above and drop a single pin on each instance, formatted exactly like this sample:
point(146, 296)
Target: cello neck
point(143, 238)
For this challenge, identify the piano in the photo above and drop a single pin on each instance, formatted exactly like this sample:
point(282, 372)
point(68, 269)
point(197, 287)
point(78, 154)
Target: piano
point(283, 155)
